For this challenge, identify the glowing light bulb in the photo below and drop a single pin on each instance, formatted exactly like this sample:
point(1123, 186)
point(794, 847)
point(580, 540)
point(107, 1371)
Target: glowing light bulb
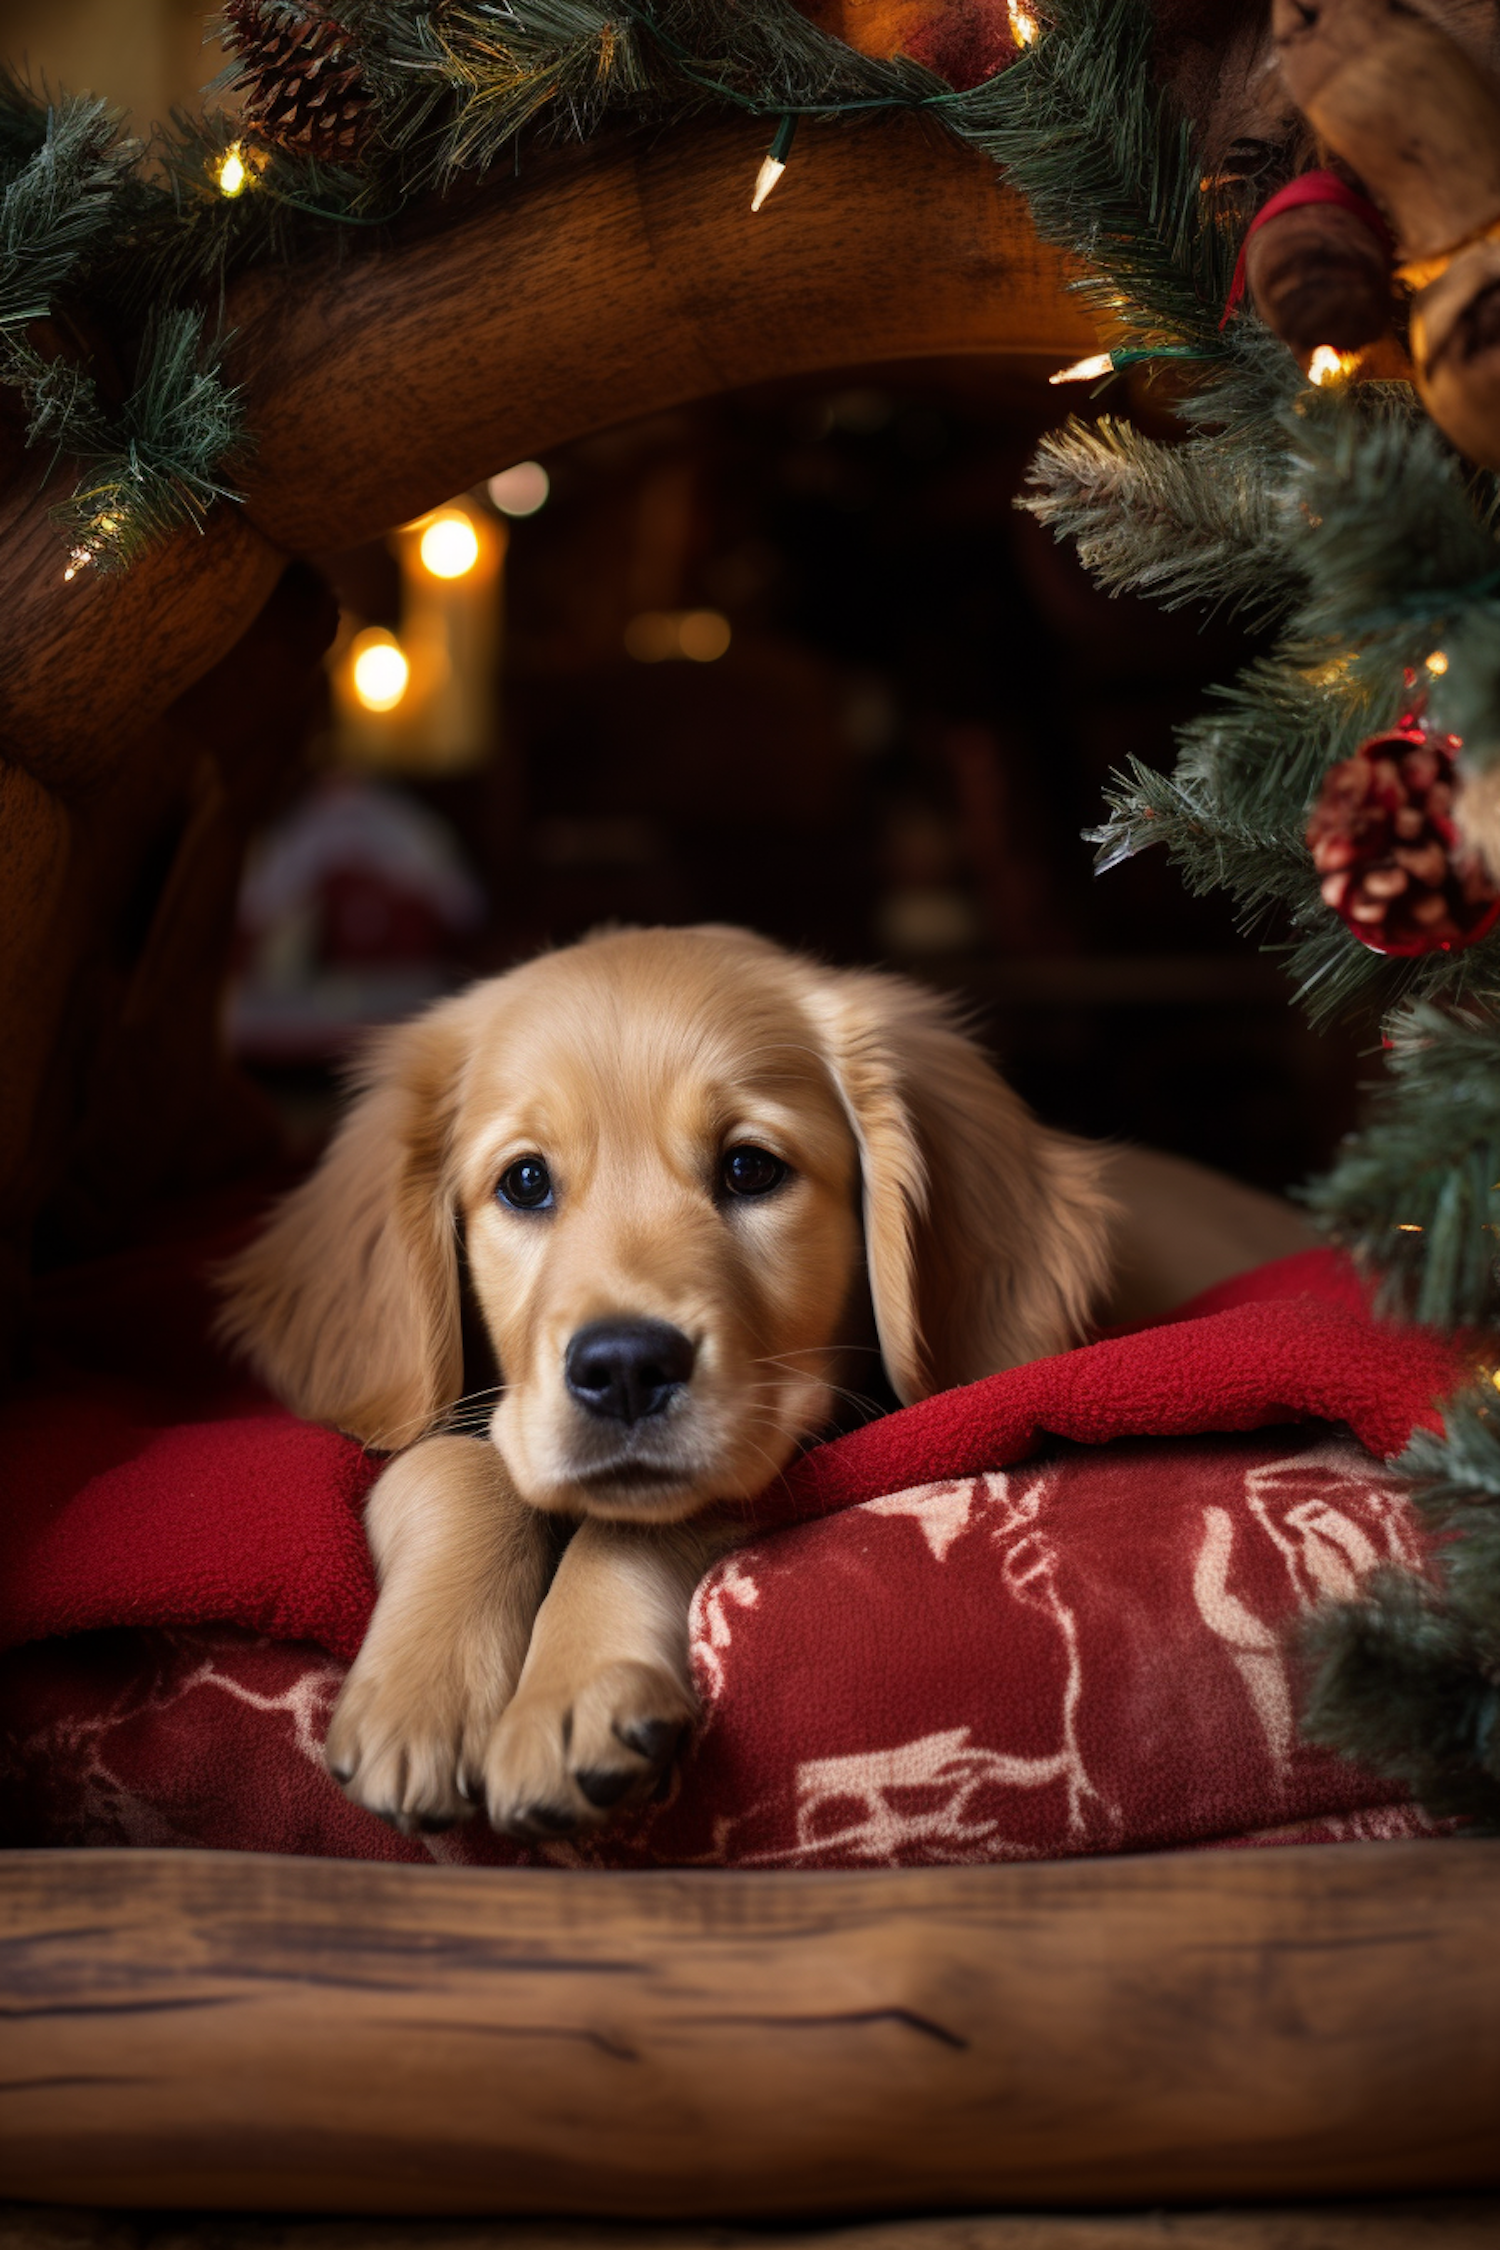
point(1084, 370)
point(1327, 365)
point(1024, 27)
point(379, 671)
point(449, 546)
point(520, 491)
point(1437, 663)
point(232, 176)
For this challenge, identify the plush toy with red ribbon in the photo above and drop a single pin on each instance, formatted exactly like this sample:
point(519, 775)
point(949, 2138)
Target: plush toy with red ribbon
point(1318, 262)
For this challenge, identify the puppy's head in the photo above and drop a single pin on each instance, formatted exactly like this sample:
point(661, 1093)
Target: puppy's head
point(689, 1171)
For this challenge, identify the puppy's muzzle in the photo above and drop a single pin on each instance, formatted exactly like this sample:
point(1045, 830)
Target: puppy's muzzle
point(628, 1370)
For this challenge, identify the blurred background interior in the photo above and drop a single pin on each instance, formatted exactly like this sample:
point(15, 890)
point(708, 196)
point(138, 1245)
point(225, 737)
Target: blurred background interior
point(790, 658)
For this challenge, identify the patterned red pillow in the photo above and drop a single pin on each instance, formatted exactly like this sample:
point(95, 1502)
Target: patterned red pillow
point(1081, 1654)
point(1041, 1615)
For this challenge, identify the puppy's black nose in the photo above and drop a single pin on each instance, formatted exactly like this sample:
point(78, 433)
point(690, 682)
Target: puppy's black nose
point(627, 1369)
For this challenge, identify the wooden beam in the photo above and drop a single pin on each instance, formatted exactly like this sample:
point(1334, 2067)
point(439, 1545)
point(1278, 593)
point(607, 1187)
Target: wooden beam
point(609, 282)
point(244, 2032)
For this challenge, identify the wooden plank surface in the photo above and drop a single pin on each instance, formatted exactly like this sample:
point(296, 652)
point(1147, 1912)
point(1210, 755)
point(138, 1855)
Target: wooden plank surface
point(1469, 2223)
point(243, 2032)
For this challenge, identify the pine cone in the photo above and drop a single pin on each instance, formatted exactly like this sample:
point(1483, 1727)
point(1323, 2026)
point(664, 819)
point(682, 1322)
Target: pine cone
point(1383, 838)
point(301, 79)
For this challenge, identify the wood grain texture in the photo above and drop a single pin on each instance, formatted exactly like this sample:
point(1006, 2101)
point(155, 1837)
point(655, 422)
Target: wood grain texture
point(228, 2031)
point(612, 281)
point(1449, 2223)
point(86, 665)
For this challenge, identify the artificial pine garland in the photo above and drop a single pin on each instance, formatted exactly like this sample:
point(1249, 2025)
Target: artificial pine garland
point(1339, 516)
point(69, 188)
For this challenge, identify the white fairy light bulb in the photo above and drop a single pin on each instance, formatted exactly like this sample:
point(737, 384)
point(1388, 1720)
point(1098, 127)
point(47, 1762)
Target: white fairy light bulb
point(1327, 365)
point(379, 670)
point(1084, 370)
point(449, 545)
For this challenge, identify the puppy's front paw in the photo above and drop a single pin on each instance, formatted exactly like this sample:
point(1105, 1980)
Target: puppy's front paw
point(401, 1747)
point(565, 1756)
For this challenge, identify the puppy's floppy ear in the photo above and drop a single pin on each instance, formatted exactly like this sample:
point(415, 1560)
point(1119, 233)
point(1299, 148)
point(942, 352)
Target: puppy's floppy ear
point(347, 1305)
point(987, 1236)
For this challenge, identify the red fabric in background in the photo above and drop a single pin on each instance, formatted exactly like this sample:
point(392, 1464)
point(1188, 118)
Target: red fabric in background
point(958, 1661)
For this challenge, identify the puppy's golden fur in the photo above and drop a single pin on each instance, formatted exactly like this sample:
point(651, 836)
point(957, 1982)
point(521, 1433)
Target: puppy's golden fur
point(922, 1211)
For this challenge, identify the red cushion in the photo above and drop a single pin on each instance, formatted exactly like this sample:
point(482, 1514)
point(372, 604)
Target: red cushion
point(938, 1656)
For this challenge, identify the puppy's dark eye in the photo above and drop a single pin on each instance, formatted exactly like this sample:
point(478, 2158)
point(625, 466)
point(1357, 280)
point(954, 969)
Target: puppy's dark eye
point(752, 1171)
point(526, 1185)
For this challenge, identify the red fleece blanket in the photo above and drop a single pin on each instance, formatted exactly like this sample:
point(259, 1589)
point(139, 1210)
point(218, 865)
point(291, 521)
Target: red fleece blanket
point(926, 1655)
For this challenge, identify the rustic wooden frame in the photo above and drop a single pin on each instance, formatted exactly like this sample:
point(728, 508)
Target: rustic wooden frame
point(242, 2032)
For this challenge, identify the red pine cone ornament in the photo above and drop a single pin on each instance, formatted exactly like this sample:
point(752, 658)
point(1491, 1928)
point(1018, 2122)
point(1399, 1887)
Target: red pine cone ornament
point(299, 73)
point(1384, 841)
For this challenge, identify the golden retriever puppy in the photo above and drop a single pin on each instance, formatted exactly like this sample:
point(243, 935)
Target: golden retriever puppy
point(698, 1184)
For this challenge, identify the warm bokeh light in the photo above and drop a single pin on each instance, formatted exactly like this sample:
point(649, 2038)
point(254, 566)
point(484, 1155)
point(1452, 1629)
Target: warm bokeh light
point(520, 491)
point(700, 635)
point(1327, 365)
point(1437, 663)
point(379, 670)
point(1084, 370)
point(703, 635)
point(1023, 24)
point(449, 545)
point(232, 175)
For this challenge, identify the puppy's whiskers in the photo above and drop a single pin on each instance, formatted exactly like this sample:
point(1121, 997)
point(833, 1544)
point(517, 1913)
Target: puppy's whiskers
point(868, 1407)
point(461, 1417)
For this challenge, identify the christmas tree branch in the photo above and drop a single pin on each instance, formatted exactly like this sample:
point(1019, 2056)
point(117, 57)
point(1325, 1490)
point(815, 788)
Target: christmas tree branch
point(1180, 523)
point(1108, 168)
point(1416, 1193)
point(1407, 1679)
